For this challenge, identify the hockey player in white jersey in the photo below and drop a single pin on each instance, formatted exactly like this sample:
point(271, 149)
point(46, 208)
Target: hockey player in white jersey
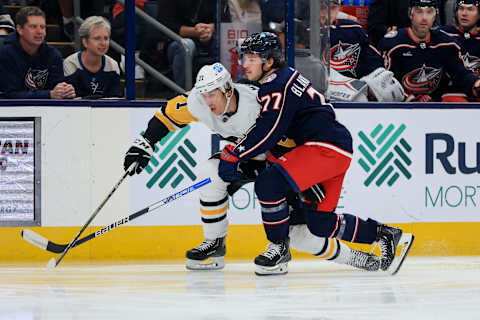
point(229, 110)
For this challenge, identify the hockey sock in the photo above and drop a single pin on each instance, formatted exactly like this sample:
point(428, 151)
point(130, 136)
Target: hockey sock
point(341, 226)
point(271, 189)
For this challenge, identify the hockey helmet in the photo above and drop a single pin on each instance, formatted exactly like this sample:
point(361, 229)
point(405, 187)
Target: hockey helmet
point(266, 44)
point(422, 3)
point(459, 2)
point(215, 76)
point(211, 77)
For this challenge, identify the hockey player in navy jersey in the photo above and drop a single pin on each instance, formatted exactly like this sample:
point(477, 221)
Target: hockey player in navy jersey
point(291, 107)
point(229, 110)
point(466, 33)
point(353, 56)
point(424, 59)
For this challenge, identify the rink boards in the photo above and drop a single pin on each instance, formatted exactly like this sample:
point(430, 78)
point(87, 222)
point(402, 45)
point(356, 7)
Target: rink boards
point(416, 168)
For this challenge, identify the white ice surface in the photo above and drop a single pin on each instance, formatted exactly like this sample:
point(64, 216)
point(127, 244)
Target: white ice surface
point(425, 288)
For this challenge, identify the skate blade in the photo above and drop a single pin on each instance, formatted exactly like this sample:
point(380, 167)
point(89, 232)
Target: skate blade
point(405, 243)
point(281, 268)
point(213, 263)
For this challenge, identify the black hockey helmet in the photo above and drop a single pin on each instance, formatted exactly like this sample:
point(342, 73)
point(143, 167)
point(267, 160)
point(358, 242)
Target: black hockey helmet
point(266, 44)
point(422, 3)
point(459, 2)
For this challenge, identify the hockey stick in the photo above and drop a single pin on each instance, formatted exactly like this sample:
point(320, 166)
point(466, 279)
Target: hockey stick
point(45, 244)
point(94, 214)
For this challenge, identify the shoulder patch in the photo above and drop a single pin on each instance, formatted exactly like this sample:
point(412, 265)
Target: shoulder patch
point(391, 34)
point(270, 78)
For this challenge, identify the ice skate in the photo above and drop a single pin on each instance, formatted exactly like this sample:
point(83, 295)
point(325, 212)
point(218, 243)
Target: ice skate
point(405, 243)
point(207, 256)
point(388, 238)
point(274, 260)
point(363, 260)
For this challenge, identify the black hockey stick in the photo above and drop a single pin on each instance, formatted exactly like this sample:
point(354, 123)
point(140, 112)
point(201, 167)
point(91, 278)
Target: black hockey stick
point(94, 214)
point(43, 243)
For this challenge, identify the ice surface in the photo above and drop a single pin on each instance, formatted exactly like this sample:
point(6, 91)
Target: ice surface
point(425, 288)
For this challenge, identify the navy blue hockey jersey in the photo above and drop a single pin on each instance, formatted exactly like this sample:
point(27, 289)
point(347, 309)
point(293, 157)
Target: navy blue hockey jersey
point(425, 67)
point(291, 107)
point(29, 77)
point(103, 83)
point(469, 46)
point(351, 52)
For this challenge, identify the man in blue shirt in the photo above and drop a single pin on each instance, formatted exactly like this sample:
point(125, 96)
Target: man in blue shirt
point(30, 68)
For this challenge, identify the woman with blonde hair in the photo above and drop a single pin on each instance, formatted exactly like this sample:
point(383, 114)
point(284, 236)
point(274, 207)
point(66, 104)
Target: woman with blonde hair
point(91, 71)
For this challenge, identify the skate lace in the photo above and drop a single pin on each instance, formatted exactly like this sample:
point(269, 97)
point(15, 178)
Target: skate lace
point(385, 248)
point(205, 245)
point(273, 250)
point(359, 259)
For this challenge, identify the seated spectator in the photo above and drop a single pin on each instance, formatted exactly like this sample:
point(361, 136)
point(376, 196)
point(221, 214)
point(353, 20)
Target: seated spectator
point(245, 11)
point(194, 20)
point(420, 57)
point(30, 68)
point(91, 71)
point(6, 23)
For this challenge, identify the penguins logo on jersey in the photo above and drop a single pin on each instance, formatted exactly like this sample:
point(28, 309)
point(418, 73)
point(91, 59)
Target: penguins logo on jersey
point(471, 63)
point(344, 57)
point(36, 79)
point(423, 80)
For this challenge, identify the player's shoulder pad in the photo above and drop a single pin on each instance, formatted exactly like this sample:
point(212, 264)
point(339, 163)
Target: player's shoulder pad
point(277, 81)
point(176, 102)
point(346, 23)
point(438, 35)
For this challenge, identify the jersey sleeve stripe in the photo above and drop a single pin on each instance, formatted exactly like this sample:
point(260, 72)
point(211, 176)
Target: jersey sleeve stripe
point(276, 122)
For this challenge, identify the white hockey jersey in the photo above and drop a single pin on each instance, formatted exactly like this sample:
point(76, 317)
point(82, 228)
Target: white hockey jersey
point(182, 110)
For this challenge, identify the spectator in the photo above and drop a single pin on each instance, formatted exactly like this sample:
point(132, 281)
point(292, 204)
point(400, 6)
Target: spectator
point(420, 57)
point(6, 23)
point(29, 67)
point(245, 11)
point(194, 20)
point(91, 71)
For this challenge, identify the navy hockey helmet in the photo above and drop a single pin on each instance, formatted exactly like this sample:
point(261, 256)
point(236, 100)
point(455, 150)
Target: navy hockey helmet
point(459, 2)
point(422, 3)
point(266, 44)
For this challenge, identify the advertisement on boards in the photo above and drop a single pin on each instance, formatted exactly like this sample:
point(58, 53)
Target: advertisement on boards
point(409, 165)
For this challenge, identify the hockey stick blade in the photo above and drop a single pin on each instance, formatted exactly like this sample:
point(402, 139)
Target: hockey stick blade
point(405, 243)
point(45, 244)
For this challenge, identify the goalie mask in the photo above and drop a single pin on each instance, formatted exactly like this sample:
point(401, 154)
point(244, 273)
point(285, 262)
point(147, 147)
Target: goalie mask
point(212, 77)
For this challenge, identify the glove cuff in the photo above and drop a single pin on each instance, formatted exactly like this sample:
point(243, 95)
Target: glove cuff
point(142, 143)
point(228, 154)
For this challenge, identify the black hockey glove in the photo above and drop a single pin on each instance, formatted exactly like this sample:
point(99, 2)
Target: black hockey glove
point(139, 153)
point(315, 193)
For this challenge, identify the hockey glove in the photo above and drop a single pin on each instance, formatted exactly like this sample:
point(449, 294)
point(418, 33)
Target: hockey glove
point(139, 153)
point(315, 193)
point(228, 167)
